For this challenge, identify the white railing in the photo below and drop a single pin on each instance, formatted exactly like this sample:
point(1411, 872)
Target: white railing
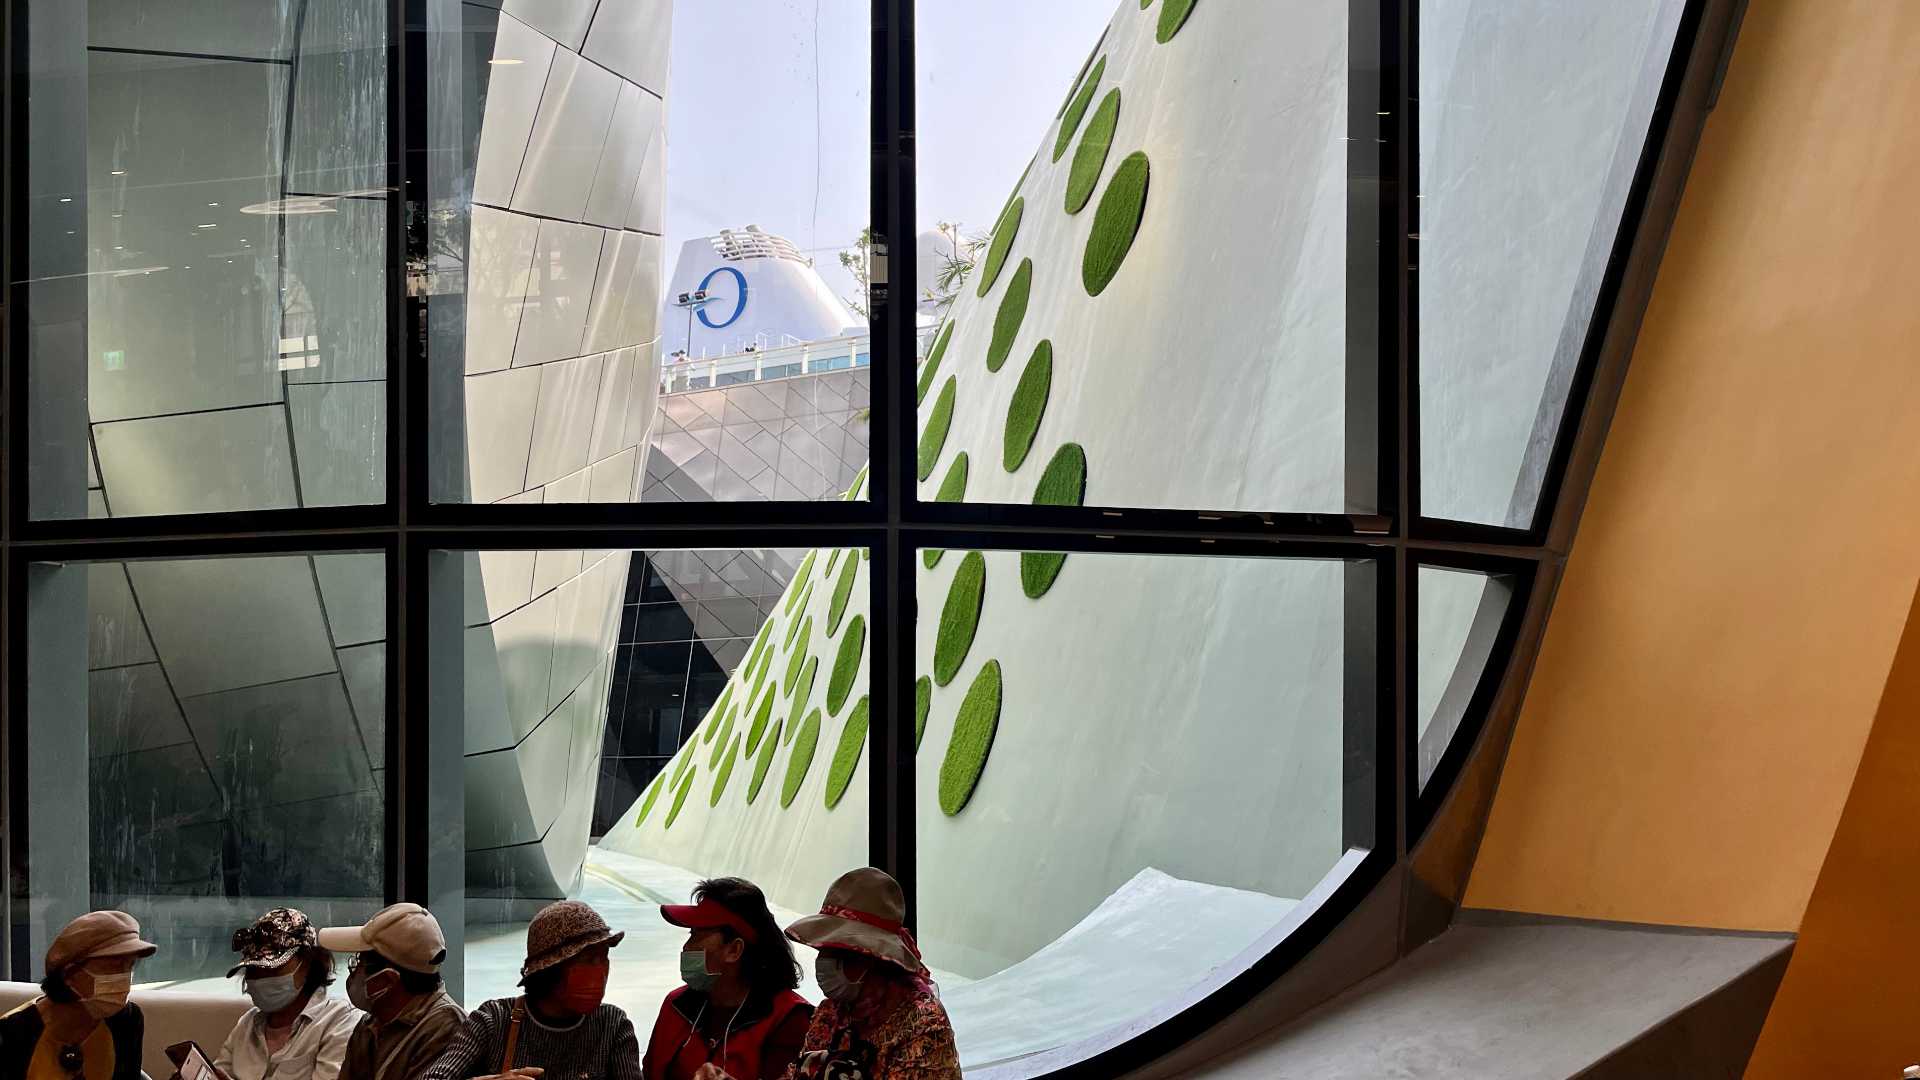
point(679, 376)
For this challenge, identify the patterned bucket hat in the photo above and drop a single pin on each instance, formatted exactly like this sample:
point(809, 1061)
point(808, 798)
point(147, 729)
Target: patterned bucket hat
point(273, 939)
point(561, 932)
point(863, 913)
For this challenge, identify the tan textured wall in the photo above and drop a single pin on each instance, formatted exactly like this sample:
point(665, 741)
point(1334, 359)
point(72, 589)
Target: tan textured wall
point(1733, 602)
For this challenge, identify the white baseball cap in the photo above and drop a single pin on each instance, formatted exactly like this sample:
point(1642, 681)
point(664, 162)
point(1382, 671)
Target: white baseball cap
point(406, 934)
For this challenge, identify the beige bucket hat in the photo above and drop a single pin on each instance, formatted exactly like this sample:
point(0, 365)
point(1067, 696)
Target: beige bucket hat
point(562, 931)
point(864, 912)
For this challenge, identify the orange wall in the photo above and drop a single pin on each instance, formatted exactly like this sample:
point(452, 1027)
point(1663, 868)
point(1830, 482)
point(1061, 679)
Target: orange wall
point(1852, 992)
point(1732, 605)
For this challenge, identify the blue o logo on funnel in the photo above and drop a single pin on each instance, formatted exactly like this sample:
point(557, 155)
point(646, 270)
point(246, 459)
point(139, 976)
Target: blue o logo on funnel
point(739, 307)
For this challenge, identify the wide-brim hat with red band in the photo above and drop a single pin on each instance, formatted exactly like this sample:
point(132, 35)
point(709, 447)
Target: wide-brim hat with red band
point(708, 914)
point(864, 912)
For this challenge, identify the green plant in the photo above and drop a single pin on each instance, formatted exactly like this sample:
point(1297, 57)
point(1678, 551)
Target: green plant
point(1173, 16)
point(847, 755)
point(959, 618)
point(842, 589)
point(801, 758)
point(846, 664)
point(934, 435)
point(1013, 312)
point(762, 763)
point(952, 489)
point(799, 656)
point(1115, 223)
point(922, 704)
point(726, 772)
point(679, 799)
point(1077, 108)
point(858, 262)
point(973, 731)
point(1004, 231)
point(932, 365)
point(653, 795)
point(1062, 483)
point(1091, 155)
point(760, 717)
point(1028, 405)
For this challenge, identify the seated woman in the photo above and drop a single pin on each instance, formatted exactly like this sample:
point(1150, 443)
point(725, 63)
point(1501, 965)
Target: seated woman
point(738, 1012)
point(559, 1027)
point(82, 1025)
point(881, 1017)
point(295, 1030)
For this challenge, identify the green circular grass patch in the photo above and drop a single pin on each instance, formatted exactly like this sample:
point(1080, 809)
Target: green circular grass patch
point(799, 657)
point(801, 759)
point(922, 705)
point(653, 796)
point(953, 488)
point(1029, 404)
point(762, 763)
point(1004, 231)
point(1006, 321)
point(934, 436)
point(1077, 109)
point(846, 665)
point(973, 731)
point(959, 618)
point(679, 799)
point(1064, 483)
point(842, 589)
point(933, 363)
point(1091, 155)
point(760, 718)
point(726, 772)
point(1173, 16)
point(799, 583)
point(1115, 224)
point(847, 755)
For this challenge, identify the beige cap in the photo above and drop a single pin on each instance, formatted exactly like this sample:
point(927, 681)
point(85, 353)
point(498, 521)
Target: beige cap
point(97, 934)
point(406, 934)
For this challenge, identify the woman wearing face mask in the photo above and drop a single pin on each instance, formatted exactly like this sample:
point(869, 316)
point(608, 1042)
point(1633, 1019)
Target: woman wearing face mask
point(737, 1017)
point(559, 1027)
point(882, 1018)
point(82, 1026)
point(295, 1030)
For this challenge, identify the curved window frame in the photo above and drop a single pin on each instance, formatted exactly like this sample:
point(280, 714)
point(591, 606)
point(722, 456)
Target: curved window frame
point(1383, 426)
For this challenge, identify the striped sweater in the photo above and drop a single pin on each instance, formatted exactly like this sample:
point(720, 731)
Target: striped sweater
point(600, 1046)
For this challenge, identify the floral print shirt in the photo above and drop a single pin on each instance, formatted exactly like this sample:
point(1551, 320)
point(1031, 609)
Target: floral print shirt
point(915, 1043)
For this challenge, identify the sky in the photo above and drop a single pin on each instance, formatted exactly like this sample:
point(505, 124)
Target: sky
point(768, 101)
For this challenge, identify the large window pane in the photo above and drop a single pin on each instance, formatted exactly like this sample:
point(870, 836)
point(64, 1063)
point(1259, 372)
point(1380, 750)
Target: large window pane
point(1533, 114)
point(206, 256)
point(1144, 285)
point(206, 740)
point(600, 696)
point(1459, 621)
point(614, 325)
point(1131, 768)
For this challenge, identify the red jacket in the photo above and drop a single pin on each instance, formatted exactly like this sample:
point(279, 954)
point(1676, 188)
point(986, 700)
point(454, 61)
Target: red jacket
point(676, 1051)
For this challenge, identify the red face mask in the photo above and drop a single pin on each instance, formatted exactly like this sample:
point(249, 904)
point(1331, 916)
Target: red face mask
point(583, 986)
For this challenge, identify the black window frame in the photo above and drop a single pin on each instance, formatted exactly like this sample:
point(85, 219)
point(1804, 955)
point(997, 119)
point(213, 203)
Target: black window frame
point(1384, 527)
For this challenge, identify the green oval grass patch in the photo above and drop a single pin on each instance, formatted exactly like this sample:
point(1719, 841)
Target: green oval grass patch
point(1006, 321)
point(953, 488)
point(679, 799)
point(959, 618)
point(846, 756)
point(799, 657)
point(932, 365)
point(1091, 155)
point(1064, 483)
point(760, 717)
point(1115, 224)
point(934, 435)
point(801, 759)
point(1077, 108)
point(1029, 404)
point(973, 732)
point(762, 763)
point(922, 704)
point(846, 664)
point(726, 772)
point(653, 795)
point(1004, 231)
point(800, 582)
point(1173, 16)
point(842, 589)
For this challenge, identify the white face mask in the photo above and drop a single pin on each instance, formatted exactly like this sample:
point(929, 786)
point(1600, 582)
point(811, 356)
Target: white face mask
point(834, 982)
point(109, 994)
point(273, 993)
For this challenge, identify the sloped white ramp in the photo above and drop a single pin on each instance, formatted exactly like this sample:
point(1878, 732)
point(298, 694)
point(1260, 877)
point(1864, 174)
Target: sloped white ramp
point(1149, 937)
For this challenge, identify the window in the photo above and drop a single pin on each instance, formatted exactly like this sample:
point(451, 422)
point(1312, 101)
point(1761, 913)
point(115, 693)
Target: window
point(977, 451)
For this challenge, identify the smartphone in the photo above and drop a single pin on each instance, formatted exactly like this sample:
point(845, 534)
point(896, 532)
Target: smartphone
point(192, 1062)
